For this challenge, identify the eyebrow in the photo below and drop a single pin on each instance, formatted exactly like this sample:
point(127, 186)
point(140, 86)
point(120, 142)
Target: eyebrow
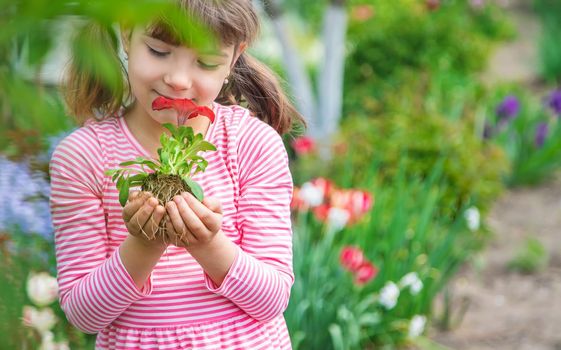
point(204, 53)
point(214, 53)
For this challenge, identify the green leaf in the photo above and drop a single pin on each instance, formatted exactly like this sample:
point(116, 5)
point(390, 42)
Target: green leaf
point(139, 160)
point(170, 127)
point(164, 156)
point(196, 189)
point(124, 193)
point(207, 146)
point(336, 336)
point(138, 177)
point(120, 181)
point(116, 175)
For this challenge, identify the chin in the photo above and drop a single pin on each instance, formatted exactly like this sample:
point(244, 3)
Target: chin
point(163, 117)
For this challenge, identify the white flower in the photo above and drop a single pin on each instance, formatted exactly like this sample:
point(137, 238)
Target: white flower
point(311, 195)
point(337, 218)
point(412, 281)
point(42, 288)
point(473, 218)
point(416, 287)
point(417, 326)
point(48, 342)
point(42, 320)
point(389, 295)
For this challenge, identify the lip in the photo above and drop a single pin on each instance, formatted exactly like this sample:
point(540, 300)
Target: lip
point(175, 98)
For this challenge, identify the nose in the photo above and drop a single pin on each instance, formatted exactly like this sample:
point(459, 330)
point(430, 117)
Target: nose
point(178, 77)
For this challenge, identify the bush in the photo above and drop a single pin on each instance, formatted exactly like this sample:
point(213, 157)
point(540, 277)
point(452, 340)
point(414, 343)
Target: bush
point(472, 170)
point(405, 35)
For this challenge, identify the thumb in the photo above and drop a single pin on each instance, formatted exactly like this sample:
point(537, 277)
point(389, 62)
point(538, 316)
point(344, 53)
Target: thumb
point(213, 204)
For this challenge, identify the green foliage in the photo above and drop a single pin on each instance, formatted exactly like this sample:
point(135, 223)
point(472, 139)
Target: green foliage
point(177, 156)
point(472, 170)
point(549, 12)
point(404, 233)
point(550, 50)
point(530, 258)
point(404, 35)
point(21, 254)
point(30, 28)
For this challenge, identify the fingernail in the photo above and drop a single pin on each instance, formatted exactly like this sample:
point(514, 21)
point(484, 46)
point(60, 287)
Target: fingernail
point(177, 199)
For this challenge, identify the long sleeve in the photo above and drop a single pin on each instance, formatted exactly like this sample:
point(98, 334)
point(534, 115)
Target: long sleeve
point(95, 288)
point(260, 279)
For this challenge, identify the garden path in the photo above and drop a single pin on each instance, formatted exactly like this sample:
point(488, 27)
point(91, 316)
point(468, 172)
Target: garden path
point(505, 309)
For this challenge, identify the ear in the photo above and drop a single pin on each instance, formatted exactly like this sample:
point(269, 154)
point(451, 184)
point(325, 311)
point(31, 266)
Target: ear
point(238, 52)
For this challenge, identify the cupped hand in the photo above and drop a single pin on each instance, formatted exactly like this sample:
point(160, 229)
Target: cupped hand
point(142, 215)
point(192, 223)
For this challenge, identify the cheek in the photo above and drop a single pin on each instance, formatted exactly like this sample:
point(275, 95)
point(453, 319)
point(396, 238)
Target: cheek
point(210, 87)
point(141, 73)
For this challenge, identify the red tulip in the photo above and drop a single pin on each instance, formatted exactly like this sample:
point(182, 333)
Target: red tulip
point(186, 109)
point(303, 145)
point(365, 273)
point(321, 212)
point(351, 258)
point(356, 202)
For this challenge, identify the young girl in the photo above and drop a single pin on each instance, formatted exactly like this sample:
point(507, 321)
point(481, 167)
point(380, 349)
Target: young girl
point(227, 284)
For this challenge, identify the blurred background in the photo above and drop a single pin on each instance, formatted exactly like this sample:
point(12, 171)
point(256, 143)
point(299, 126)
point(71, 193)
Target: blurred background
point(427, 205)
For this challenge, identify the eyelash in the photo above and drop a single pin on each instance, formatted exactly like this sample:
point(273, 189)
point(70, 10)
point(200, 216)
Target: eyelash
point(164, 54)
point(207, 66)
point(157, 53)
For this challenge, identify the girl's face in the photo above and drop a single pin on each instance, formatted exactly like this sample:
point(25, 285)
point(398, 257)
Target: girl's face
point(157, 68)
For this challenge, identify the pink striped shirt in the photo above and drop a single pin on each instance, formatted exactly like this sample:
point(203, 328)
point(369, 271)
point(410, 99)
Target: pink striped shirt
point(179, 307)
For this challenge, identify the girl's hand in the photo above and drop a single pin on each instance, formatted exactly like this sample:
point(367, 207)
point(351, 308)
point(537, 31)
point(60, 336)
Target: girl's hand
point(142, 215)
point(192, 223)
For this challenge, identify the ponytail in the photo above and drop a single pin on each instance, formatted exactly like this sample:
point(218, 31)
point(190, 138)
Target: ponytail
point(95, 84)
point(256, 85)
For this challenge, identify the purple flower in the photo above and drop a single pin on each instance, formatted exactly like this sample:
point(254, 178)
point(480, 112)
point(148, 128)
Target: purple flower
point(25, 205)
point(555, 102)
point(508, 109)
point(541, 134)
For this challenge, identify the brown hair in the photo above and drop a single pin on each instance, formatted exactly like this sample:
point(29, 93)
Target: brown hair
point(233, 22)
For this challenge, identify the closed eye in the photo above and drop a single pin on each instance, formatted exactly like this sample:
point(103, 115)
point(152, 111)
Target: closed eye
point(208, 66)
point(156, 52)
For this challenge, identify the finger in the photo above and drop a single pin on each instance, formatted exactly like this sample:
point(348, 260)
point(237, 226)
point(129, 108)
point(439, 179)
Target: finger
point(174, 238)
point(208, 217)
point(176, 220)
point(153, 222)
point(193, 220)
point(139, 219)
point(170, 235)
point(213, 204)
point(134, 204)
point(133, 195)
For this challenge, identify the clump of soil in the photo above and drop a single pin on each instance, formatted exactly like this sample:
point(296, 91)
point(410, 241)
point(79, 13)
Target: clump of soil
point(163, 187)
